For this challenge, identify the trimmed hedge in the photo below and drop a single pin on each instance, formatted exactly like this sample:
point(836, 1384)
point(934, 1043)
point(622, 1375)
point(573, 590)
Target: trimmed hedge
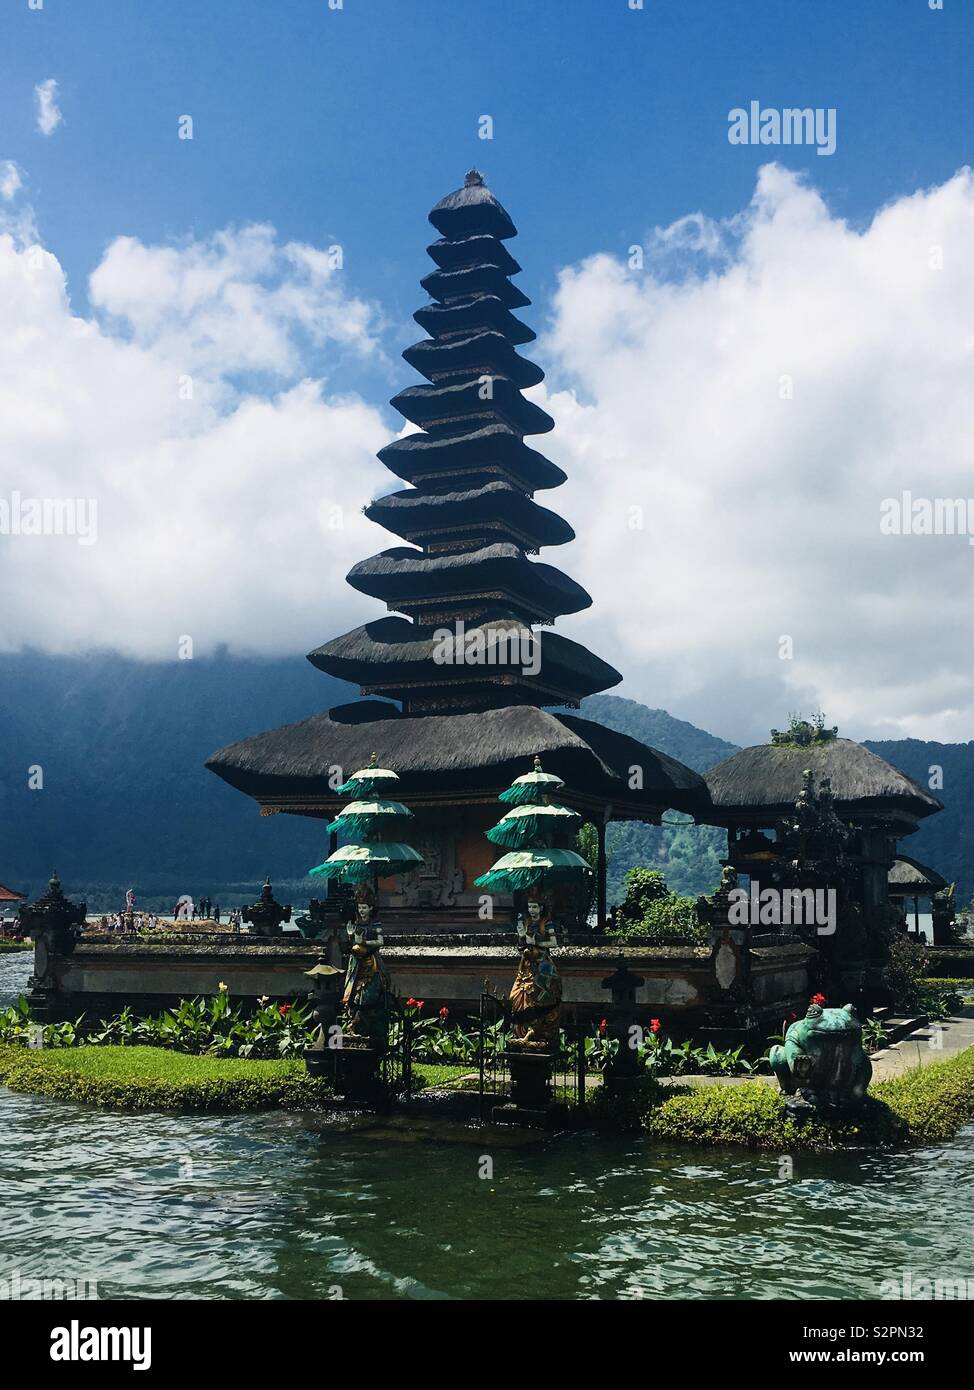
point(964, 984)
point(155, 1078)
point(7, 943)
point(926, 1106)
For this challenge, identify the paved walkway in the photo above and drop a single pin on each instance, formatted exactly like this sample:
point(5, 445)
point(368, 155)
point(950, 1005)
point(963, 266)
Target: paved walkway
point(934, 1042)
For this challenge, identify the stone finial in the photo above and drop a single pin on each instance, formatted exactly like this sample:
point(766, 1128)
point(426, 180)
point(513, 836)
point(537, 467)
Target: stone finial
point(473, 177)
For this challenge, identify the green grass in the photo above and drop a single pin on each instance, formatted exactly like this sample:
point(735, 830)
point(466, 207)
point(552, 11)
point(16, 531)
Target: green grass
point(6, 944)
point(155, 1078)
point(441, 1076)
point(925, 1106)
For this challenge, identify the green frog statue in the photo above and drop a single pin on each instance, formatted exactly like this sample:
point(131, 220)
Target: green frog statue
point(822, 1066)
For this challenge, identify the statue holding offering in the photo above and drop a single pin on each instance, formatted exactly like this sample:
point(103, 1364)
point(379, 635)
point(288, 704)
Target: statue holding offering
point(536, 992)
point(367, 994)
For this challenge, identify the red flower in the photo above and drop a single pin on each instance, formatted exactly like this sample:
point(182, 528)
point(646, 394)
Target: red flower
point(444, 1013)
point(284, 1010)
point(655, 1026)
point(603, 1026)
point(819, 999)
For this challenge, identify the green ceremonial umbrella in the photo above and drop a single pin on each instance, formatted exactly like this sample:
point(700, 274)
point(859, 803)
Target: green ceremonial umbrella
point(374, 825)
point(534, 868)
point(362, 863)
point(532, 788)
point(532, 826)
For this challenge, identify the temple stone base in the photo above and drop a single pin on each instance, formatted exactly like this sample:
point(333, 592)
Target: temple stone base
point(679, 985)
point(522, 1115)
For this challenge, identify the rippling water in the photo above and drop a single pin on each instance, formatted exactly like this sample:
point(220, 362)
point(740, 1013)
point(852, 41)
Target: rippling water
point(284, 1206)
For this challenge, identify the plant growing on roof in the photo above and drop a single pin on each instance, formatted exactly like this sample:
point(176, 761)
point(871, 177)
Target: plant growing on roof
point(803, 733)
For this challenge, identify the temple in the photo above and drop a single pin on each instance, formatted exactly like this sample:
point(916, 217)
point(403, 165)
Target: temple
point(480, 681)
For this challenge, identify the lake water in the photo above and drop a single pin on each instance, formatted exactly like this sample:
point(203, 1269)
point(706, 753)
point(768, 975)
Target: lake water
point(286, 1206)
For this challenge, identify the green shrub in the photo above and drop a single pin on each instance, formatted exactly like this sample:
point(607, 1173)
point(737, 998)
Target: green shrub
point(652, 913)
point(201, 1025)
point(950, 989)
point(927, 1105)
point(904, 975)
point(939, 1002)
point(152, 1078)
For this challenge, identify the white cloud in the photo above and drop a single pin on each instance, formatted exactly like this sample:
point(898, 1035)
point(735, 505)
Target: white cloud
point(48, 112)
point(761, 513)
point(219, 515)
point(10, 180)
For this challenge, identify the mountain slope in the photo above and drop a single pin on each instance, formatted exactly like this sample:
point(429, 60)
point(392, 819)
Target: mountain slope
point(126, 799)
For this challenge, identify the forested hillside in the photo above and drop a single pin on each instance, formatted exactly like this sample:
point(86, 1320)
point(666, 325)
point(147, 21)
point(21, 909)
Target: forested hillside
point(125, 799)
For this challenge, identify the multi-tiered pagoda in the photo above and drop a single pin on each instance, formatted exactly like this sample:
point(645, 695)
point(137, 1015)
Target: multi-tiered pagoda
point(466, 652)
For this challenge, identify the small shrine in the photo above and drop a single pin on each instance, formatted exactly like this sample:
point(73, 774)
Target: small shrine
point(266, 916)
point(836, 811)
point(54, 923)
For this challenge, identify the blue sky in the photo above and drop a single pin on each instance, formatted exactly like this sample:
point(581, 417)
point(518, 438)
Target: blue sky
point(849, 275)
point(347, 125)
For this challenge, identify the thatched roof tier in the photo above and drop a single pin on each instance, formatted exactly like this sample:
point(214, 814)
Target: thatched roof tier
point(443, 759)
point(403, 661)
point(467, 725)
point(458, 254)
point(495, 579)
point(909, 878)
point(495, 511)
point(482, 352)
point(473, 314)
point(448, 285)
point(471, 211)
point(454, 408)
point(494, 451)
point(757, 785)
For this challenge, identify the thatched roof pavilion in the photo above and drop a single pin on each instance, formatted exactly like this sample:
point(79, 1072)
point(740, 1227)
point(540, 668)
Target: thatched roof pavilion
point(754, 789)
point(467, 722)
point(908, 878)
point(758, 785)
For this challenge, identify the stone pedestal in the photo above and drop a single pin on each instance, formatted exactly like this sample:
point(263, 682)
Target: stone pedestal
point(357, 1075)
point(530, 1067)
point(624, 1069)
point(325, 999)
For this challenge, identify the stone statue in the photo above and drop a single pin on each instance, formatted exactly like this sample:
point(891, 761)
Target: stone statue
point(367, 995)
point(822, 1065)
point(536, 992)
